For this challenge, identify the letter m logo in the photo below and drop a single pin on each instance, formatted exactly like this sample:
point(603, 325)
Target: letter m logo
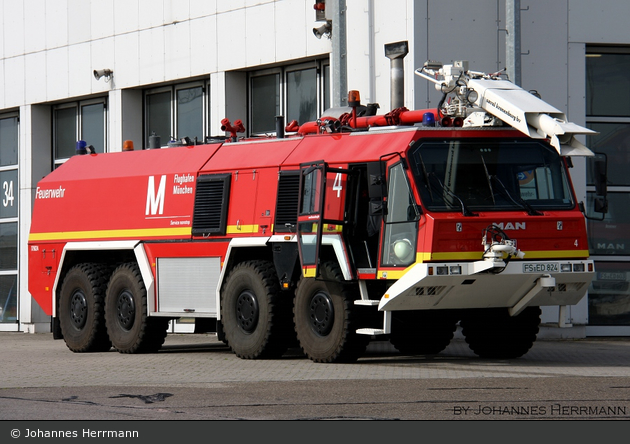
point(155, 201)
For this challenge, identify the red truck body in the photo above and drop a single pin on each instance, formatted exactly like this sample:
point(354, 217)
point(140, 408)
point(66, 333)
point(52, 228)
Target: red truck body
point(341, 233)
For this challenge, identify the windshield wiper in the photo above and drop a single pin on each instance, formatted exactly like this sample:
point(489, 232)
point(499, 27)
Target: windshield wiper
point(488, 178)
point(465, 210)
point(521, 202)
point(426, 176)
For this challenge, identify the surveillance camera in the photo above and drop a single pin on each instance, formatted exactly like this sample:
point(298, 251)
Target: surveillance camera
point(107, 73)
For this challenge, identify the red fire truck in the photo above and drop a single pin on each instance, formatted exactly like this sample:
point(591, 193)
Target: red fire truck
point(329, 234)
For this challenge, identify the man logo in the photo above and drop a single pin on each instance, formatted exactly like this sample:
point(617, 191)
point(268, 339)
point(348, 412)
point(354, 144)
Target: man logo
point(155, 201)
point(511, 226)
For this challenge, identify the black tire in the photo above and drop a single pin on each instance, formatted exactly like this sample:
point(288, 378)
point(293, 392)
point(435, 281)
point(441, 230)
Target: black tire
point(494, 334)
point(326, 318)
point(81, 309)
point(130, 328)
point(422, 332)
point(253, 313)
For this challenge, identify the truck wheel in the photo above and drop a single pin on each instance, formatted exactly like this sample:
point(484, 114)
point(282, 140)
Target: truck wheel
point(494, 334)
point(130, 329)
point(252, 312)
point(81, 309)
point(422, 332)
point(326, 320)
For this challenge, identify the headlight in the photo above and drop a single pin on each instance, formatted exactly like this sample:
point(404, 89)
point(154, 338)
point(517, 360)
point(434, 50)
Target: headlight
point(403, 250)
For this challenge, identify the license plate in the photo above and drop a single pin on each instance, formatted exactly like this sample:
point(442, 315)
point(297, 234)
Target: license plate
point(544, 267)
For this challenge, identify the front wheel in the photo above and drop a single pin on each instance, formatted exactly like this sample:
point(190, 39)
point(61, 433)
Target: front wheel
point(422, 332)
point(130, 328)
point(493, 333)
point(326, 318)
point(81, 311)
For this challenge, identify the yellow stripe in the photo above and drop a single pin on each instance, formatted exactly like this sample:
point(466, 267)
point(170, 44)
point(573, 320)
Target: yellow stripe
point(468, 256)
point(308, 272)
point(391, 274)
point(477, 255)
point(239, 229)
point(110, 234)
point(550, 254)
point(337, 229)
point(422, 257)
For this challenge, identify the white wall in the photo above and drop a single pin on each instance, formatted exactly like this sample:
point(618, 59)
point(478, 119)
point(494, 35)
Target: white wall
point(49, 48)
point(451, 30)
point(601, 21)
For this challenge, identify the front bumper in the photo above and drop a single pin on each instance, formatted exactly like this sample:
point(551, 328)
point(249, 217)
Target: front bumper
point(427, 286)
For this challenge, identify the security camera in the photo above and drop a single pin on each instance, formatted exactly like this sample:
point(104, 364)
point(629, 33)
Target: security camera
point(107, 73)
point(323, 30)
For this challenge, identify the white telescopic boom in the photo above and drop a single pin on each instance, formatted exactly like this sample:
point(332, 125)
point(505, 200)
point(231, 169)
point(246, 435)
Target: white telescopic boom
point(507, 102)
point(530, 115)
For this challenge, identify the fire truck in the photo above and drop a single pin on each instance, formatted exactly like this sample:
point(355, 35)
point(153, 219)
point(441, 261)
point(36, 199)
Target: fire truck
point(327, 235)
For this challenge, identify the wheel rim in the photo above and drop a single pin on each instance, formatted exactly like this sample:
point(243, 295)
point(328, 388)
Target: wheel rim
point(247, 311)
point(321, 313)
point(126, 309)
point(78, 309)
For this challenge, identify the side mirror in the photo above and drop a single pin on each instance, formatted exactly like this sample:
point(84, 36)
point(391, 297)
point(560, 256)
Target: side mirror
point(376, 208)
point(599, 174)
point(600, 204)
point(376, 180)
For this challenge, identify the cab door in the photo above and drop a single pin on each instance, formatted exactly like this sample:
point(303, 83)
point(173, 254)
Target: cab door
point(320, 210)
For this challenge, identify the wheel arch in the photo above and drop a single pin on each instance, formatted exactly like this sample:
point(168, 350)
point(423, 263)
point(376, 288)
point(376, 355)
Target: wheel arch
point(239, 250)
point(106, 252)
point(334, 249)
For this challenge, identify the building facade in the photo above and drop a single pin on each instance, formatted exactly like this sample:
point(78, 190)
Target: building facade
point(152, 71)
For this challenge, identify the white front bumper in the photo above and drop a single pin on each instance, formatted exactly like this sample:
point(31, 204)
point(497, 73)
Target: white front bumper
point(516, 287)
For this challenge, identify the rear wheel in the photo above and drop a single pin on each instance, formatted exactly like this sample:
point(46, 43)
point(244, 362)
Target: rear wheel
point(422, 332)
point(81, 309)
point(253, 313)
point(130, 328)
point(326, 318)
point(493, 333)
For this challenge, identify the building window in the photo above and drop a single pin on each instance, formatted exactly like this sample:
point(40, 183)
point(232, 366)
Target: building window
point(92, 124)
point(189, 115)
point(298, 92)
point(9, 143)
point(176, 112)
point(265, 102)
point(608, 113)
point(74, 121)
point(8, 140)
point(158, 115)
point(302, 95)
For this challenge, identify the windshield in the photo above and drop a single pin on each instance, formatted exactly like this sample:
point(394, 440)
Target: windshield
point(490, 175)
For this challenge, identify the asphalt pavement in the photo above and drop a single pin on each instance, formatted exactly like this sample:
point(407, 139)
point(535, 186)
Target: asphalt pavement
point(196, 377)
